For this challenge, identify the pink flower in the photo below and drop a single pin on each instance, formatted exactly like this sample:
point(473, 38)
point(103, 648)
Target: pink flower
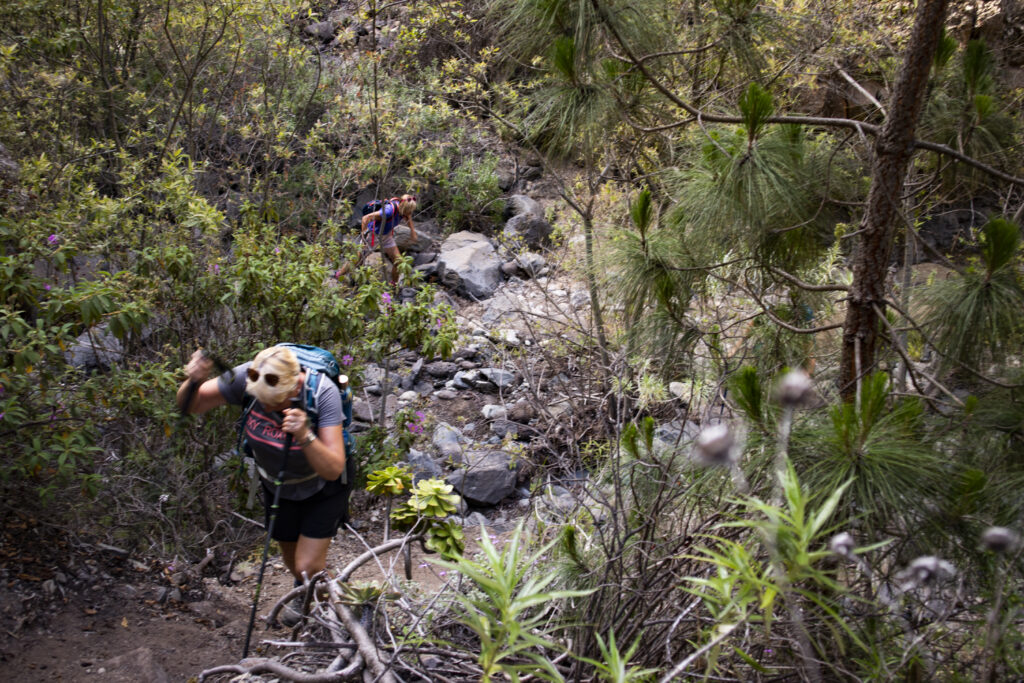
point(386, 298)
point(52, 239)
point(346, 360)
point(47, 287)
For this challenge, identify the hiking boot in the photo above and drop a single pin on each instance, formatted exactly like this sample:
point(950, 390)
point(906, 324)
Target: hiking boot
point(291, 614)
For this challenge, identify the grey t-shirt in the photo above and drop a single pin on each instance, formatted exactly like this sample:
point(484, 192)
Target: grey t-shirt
point(266, 438)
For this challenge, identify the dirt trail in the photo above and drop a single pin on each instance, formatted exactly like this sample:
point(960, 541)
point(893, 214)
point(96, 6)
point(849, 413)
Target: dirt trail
point(105, 621)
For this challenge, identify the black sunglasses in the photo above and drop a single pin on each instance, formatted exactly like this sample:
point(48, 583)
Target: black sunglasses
point(270, 378)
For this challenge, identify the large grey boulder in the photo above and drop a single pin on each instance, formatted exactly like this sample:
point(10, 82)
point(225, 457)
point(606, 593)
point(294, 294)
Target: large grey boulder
point(675, 434)
point(424, 242)
point(323, 30)
point(487, 478)
point(520, 203)
point(534, 231)
point(97, 349)
point(470, 264)
point(9, 168)
point(501, 379)
point(447, 440)
point(527, 223)
point(441, 369)
point(423, 466)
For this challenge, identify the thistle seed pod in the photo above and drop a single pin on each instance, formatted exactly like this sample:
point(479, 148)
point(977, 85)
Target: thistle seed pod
point(924, 571)
point(795, 388)
point(714, 445)
point(842, 544)
point(999, 539)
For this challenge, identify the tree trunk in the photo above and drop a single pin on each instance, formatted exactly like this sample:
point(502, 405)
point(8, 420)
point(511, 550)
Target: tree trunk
point(893, 150)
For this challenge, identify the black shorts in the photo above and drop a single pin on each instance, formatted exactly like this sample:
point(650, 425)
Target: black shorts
point(318, 516)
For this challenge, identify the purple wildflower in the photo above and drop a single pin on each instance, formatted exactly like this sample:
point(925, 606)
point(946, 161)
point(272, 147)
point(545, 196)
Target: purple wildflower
point(2, 415)
point(386, 298)
point(47, 286)
point(420, 416)
point(52, 239)
point(277, 250)
point(346, 360)
point(214, 268)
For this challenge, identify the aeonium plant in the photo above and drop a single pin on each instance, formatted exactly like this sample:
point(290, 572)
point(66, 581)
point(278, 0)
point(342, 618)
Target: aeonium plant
point(429, 503)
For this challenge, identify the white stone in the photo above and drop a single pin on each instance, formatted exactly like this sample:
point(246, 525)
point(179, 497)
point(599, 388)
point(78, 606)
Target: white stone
point(493, 411)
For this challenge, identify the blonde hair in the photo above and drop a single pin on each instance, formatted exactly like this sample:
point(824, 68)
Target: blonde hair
point(276, 360)
point(406, 205)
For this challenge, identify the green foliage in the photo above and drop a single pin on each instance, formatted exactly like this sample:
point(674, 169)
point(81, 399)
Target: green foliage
point(469, 197)
point(877, 444)
point(430, 502)
point(781, 555)
point(750, 396)
point(509, 616)
point(447, 539)
point(614, 664)
point(975, 317)
point(755, 106)
point(393, 480)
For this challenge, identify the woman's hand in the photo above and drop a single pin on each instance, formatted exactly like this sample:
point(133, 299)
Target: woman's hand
point(198, 394)
point(198, 367)
point(296, 423)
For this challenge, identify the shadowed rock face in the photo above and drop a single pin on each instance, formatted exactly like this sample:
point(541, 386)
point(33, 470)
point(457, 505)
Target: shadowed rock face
point(488, 477)
point(471, 265)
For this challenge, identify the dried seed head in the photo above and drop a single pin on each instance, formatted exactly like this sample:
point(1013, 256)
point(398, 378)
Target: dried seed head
point(795, 388)
point(925, 571)
point(842, 544)
point(999, 539)
point(714, 445)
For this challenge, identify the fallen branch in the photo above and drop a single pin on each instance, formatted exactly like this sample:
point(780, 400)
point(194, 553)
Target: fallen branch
point(381, 672)
point(257, 665)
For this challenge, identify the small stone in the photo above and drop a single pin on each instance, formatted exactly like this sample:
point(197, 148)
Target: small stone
point(493, 411)
point(446, 394)
point(507, 336)
point(409, 396)
point(522, 412)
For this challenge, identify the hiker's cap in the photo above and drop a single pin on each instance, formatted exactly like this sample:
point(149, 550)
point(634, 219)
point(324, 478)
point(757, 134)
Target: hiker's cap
point(273, 375)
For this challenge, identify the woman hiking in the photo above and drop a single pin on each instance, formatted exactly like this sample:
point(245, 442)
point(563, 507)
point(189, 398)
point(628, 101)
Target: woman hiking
point(313, 501)
point(381, 224)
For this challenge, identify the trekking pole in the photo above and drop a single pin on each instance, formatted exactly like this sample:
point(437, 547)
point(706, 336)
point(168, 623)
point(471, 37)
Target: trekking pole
point(270, 530)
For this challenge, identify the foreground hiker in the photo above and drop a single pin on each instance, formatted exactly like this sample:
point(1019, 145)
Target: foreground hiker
point(379, 222)
point(313, 501)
